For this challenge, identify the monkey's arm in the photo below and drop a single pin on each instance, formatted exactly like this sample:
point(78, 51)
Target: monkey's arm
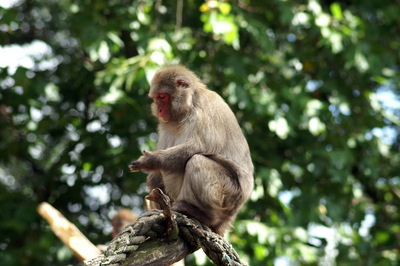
point(172, 159)
point(175, 159)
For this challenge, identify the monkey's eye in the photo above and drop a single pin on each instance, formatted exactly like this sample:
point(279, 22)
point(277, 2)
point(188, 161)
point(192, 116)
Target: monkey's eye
point(181, 83)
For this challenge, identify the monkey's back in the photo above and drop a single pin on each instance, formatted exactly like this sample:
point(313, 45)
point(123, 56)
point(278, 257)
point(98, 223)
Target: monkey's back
point(226, 136)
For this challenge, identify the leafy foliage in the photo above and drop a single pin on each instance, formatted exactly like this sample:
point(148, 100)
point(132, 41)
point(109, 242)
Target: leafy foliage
point(314, 85)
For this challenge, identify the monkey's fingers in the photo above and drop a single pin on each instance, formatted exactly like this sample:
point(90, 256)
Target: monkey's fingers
point(135, 166)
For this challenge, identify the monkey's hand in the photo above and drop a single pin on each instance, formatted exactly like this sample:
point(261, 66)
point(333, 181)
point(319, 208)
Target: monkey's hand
point(143, 163)
point(135, 166)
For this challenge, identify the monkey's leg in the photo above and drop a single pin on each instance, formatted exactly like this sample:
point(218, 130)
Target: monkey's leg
point(154, 180)
point(208, 194)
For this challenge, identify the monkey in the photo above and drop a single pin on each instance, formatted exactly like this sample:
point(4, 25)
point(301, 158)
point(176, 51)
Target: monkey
point(119, 221)
point(202, 160)
point(122, 219)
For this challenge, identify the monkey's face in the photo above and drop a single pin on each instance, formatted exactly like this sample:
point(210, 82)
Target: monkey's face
point(171, 90)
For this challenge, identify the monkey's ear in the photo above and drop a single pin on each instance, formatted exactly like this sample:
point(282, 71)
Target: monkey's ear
point(182, 83)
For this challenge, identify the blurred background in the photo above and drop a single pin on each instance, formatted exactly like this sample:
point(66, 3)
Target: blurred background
point(314, 86)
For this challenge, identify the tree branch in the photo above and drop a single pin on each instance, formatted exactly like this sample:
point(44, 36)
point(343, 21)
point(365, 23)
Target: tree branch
point(68, 233)
point(179, 7)
point(151, 241)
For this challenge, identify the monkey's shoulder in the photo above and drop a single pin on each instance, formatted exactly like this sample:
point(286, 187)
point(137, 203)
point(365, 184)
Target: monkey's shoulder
point(211, 95)
point(213, 104)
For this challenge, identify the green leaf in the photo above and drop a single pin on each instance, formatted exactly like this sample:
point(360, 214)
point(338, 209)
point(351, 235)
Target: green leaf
point(224, 7)
point(336, 11)
point(87, 166)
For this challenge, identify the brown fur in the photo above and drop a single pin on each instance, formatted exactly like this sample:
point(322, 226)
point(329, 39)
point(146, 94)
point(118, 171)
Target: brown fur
point(122, 219)
point(202, 159)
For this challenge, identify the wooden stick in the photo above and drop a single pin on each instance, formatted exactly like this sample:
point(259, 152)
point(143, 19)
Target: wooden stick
point(68, 233)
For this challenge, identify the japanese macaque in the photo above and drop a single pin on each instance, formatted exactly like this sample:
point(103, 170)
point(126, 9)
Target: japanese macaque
point(202, 161)
point(122, 219)
point(118, 222)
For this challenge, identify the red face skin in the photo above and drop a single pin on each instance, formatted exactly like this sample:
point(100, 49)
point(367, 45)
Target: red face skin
point(162, 100)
